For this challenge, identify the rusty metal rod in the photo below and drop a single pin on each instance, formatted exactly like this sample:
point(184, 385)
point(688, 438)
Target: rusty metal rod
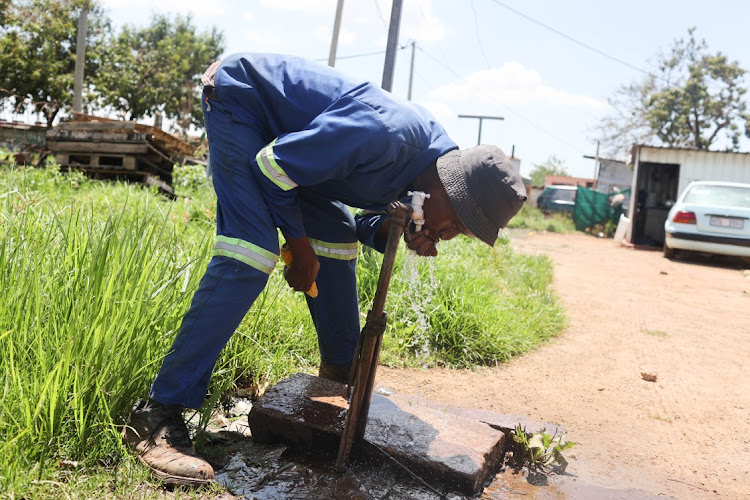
point(361, 424)
point(368, 347)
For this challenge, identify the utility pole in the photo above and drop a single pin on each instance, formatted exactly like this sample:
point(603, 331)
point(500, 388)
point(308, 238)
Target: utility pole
point(480, 118)
point(390, 51)
point(596, 161)
point(335, 37)
point(80, 58)
point(411, 70)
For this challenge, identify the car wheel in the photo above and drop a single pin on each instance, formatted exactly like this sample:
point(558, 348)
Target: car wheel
point(668, 252)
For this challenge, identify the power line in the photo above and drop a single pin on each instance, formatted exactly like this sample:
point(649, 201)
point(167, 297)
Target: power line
point(574, 40)
point(508, 108)
point(476, 33)
point(366, 54)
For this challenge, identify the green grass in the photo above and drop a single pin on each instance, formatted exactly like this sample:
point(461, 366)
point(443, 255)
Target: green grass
point(533, 219)
point(96, 278)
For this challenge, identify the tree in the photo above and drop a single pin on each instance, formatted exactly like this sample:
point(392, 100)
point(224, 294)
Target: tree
point(552, 166)
point(694, 99)
point(158, 68)
point(37, 52)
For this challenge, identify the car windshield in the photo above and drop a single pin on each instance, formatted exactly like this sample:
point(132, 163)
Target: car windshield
point(564, 195)
point(723, 196)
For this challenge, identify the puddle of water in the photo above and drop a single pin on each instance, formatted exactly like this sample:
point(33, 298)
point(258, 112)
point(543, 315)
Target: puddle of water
point(275, 471)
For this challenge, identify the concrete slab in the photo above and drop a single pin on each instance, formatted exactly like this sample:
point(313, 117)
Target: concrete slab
point(442, 446)
point(502, 422)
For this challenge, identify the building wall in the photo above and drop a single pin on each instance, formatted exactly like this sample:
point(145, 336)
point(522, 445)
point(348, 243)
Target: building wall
point(568, 181)
point(701, 165)
point(613, 174)
point(533, 194)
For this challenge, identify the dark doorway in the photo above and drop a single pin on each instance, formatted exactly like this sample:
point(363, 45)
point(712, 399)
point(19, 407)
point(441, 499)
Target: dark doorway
point(656, 192)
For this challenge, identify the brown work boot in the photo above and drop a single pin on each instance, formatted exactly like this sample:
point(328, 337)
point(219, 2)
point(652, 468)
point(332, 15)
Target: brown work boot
point(158, 435)
point(337, 373)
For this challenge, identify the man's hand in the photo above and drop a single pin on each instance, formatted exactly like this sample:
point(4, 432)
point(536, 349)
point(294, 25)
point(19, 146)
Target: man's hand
point(301, 274)
point(421, 242)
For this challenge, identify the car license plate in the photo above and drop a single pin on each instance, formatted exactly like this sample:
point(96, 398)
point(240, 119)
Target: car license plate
point(727, 222)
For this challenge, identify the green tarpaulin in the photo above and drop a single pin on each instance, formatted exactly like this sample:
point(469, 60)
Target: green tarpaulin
point(593, 207)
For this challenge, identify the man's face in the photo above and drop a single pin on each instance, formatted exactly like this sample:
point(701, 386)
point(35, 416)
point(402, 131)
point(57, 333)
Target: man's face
point(441, 223)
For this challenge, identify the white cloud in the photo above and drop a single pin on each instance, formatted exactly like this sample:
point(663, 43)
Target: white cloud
point(325, 33)
point(194, 7)
point(514, 85)
point(419, 22)
point(302, 5)
point(263, 40)
point(370, 21)
point(442, 111)
point(248, 16)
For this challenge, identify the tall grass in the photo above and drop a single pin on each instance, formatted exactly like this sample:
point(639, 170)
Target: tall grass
point(534, 219)
point(93, 293)
point(96, 278)
point(482, 307)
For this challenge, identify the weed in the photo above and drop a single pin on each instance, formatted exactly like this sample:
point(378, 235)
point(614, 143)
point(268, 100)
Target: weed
point(659, 417)
point(655, 333)
point(189, 177)
point(540, 450)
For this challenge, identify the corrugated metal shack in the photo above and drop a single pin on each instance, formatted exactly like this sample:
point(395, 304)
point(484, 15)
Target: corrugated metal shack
point(114, 149)
point(660, 174)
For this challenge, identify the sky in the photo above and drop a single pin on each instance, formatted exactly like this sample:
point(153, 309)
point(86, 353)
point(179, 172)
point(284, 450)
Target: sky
point(547, 67)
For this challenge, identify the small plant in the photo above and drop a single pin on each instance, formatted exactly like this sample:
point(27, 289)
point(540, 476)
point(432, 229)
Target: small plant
point(539, 450)
point(609, 229)
point(655, 333)
point(189, 177)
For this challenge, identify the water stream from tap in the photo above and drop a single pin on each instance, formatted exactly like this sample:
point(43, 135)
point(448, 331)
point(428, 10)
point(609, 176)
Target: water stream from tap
point(419, 275)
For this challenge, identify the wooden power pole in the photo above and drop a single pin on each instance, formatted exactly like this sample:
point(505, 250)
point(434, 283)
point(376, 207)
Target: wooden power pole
point(80, 58)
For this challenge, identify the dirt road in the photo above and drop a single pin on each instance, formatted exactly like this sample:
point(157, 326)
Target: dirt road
point(687, 435)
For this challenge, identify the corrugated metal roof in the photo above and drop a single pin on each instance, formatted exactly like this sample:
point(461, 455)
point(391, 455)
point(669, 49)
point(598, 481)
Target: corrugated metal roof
point(695, 150)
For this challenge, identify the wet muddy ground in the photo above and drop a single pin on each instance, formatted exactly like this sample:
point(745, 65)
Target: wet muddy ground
point(275, 471)
point(261, 471)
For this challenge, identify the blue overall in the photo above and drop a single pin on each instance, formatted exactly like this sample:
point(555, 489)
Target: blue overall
point(292, 144)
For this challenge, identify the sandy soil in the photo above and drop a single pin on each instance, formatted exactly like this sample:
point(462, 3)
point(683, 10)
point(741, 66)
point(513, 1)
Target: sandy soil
point(687, 321)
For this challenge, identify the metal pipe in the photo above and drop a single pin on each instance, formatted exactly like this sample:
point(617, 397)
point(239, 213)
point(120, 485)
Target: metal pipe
point(366, 358)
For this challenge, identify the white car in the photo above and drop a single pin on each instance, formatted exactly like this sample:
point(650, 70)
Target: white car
point(710, 217)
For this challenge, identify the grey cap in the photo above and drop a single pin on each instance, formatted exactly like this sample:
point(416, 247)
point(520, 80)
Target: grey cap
point(484, 188)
